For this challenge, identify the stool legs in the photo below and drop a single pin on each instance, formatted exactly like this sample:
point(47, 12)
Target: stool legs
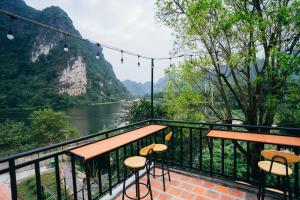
point(137, 184)
point(154, 165)
point(148, 181)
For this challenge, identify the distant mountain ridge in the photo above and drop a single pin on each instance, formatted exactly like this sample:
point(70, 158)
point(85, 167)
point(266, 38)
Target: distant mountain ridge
point(35, 71)
point(140, 89)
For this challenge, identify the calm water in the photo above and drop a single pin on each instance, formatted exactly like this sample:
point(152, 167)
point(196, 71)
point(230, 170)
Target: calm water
point(86, 119)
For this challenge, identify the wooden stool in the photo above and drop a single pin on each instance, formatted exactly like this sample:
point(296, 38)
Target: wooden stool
point(276, 164)
point(135, 164)
point(161, 149)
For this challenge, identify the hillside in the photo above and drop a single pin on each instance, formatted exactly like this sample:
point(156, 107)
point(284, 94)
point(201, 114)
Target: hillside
point(36, 72)
point(141, 89)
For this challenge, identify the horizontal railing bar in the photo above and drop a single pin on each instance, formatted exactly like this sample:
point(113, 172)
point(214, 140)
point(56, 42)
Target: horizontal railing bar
point(38, 150)
point(233, 125)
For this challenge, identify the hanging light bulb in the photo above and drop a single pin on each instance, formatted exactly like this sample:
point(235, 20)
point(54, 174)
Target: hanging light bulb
point(170, 61)
point(98, 54)
point(10, 34)
point(139, 64)
point(122, 60)
point(66, 49)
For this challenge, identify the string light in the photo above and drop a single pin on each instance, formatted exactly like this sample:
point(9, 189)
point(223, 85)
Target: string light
point(98, 54)
point(139, 64)
point(66, 49)
point(10, 34)
point(122, 60)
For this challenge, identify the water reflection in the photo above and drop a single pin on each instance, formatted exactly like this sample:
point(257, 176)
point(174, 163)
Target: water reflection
point(93, 118)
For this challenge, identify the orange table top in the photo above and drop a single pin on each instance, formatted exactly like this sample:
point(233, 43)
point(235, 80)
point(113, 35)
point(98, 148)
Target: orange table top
point(255, 137)
point(95, 149)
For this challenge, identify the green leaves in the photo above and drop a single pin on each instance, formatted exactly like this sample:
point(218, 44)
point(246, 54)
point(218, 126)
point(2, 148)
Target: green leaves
point(46, 127)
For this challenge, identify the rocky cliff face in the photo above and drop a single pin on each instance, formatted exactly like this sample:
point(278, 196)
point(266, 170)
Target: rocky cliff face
point(35, 71)
point(73, 80)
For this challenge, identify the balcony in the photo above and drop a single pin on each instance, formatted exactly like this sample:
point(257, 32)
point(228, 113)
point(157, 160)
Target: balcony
point(199, 171)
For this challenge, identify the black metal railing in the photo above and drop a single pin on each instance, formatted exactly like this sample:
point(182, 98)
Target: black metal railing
point(190, 150)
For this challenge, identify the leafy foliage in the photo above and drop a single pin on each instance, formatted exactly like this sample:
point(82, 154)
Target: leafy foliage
point(46, 127)
point(250, 50)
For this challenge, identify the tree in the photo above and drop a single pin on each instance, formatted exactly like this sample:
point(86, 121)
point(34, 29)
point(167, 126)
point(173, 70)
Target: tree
point(14, 137)
point(249, 50)
point(50, 127)
point(141, 110)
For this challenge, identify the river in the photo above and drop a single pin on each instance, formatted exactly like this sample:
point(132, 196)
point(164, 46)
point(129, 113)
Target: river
point(86, 119)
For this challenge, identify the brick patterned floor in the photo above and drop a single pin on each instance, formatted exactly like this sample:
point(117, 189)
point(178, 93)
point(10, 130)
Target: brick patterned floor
point(191, 188)
point(4, 192)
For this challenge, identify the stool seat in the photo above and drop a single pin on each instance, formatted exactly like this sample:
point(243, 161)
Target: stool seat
point(277, 168)
point(135, 162)
point(160, 147)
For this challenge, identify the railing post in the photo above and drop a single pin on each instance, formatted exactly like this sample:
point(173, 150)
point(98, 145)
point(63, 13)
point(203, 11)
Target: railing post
point(99, 175)
point(152, 69)
point(200, 150)
point(74, 178)
point(57, 178)
point(109, 173)
point(191, 148)
point(13, 181)
point(38, 180)
point(88, 180)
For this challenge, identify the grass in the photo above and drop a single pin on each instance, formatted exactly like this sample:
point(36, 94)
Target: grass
point(27, 188)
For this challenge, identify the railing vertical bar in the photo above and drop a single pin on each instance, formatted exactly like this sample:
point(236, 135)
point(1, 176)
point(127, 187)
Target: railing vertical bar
point(191, 147)
point(13, 180)
point(296, 182)
point(38, 180)
point(109, 173)
point(181, 146)
point(99, 176)
point(172, 144)
point(211, 157)
point(200, 150)
point(234, 161)
point(118, 165)
point(57, 178)
point(88, 180)
point(223, 157)
point(131, 149)
point(248, 162)
point(74, 178)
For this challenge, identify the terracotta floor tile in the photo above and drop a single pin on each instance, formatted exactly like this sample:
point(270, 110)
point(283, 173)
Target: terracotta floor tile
point(199, 190)
point(208, 185)
point(221, 188)
point(212, 194)
point(184, 187)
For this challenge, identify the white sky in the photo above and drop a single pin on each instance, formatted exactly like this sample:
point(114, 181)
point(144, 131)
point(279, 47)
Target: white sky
point(129, 25)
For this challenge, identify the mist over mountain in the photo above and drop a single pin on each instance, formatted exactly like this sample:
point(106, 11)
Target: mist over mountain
point(140, 89)
point(35, 71)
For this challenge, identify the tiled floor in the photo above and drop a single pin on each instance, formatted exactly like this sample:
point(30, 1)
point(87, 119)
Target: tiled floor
point(183, 186)
point(4, 192)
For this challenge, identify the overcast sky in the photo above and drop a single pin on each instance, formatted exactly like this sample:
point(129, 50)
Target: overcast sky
point(129, 24)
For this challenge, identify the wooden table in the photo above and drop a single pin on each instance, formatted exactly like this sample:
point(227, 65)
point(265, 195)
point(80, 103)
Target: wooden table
point(255, 137)
point(95, 150)
point(251, 137)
